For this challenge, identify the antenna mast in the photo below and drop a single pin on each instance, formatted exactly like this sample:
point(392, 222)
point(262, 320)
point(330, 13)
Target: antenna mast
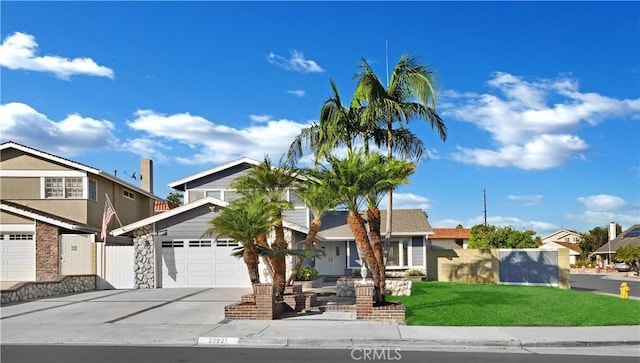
point(484, 197)
point(386, 58)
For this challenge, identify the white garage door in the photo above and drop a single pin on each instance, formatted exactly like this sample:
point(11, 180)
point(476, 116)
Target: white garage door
point(202, 263)
point(17, 257)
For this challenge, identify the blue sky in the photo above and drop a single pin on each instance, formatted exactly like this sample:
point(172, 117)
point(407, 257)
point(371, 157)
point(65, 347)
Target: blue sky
point(541, 99)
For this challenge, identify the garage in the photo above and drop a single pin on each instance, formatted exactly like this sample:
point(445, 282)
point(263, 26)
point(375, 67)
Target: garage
point(17, 257)
point(202, 263)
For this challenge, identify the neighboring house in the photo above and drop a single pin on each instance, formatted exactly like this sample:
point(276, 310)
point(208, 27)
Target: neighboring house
point(629, 237)
point(563, 235)
point(449, 238)
point(574, 249)
point(186, 258)
point(46, 200)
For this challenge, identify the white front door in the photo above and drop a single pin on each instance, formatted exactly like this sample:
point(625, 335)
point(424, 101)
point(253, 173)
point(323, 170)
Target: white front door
point(334, 260)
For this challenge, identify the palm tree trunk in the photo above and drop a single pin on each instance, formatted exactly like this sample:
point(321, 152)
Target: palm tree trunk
point(373, 217)
point(356, 223)
point(250, 258)
point(279, 261)
point(316, 224)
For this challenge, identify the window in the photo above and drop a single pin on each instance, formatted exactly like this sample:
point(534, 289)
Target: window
point(128, 194)
point(172, 244)
point(93, 190)
point(231, 195)
point(53, 188)
point(293, 198)
point(64, 187)
point(194, 195)
point(226, 243)
point(213, 194)
point(394, 254)
point(20, 237)
point(200, 243)
point(73, 187)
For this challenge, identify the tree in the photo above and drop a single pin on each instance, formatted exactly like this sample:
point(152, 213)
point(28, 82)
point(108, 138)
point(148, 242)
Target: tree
point(175, 198)
point(358, 179)
point(490, 236)
point(273, 183)
point(629, 254)
point(315, 194)
point(243, 220)
point(594, 239)
point(410, 94)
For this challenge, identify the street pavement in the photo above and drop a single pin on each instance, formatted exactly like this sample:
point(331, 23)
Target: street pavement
point(195, 316)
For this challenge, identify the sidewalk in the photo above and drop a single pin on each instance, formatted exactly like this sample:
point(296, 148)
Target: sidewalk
point(339, 334)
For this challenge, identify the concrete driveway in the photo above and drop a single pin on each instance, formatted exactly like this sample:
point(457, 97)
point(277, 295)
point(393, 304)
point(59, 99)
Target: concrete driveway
point(162, 316)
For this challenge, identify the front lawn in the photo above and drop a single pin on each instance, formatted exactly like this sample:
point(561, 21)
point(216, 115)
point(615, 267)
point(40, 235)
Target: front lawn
point(457, 304)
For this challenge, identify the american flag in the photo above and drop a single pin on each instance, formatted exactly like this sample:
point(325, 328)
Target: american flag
point(106, 217)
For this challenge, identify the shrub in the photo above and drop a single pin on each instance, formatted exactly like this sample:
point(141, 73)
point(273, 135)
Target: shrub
point(307, 273)
point(414, 272)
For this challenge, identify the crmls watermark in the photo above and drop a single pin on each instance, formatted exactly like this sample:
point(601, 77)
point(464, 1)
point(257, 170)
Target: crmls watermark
point(375, 354)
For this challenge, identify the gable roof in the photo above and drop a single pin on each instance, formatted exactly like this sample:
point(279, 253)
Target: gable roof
point(170, 213)
point(74, 165)
point(630, 237)
point(573, 248)
point(179, 184)
point(562, 233)
point(406, 222)
point(450, 233)
point(45, 217)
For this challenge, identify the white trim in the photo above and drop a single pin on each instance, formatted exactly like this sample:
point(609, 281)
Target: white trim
point(219, 168)
point(41, 218)
point(170, 213)
point(75, 165)
point(38, 173)
point(17, 228)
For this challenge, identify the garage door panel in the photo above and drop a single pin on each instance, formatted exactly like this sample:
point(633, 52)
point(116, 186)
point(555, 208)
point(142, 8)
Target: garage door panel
point(201, 265)
point(18, 259)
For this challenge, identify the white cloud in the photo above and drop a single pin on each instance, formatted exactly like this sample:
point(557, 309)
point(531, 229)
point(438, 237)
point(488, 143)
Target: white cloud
point(601, 209)
point(296, 62)
point(297, 92)
point(260, 118)
point(147, 148)
point(541, 228)
point(71, 136)
point(213, 143)
point(407, 201)
point(18, 51)
point(528, 199)
point(531, 122)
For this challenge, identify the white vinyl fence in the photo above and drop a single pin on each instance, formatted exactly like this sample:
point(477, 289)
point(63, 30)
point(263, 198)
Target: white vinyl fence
point(115, 267)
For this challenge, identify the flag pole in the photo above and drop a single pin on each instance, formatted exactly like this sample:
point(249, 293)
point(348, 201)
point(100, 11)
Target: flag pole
point(114, 209)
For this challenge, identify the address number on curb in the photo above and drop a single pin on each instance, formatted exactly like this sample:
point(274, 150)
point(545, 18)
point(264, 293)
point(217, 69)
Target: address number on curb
point(218, 340)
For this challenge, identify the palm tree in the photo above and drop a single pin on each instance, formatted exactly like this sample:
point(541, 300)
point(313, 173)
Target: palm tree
point(314, 192)
point(339, 126)
point(410, 94)
point(243, 220)
point(273, 183)
point(385, 173)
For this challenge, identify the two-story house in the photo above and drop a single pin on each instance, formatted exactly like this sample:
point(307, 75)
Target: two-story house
point(46, 200)
point(186, 258)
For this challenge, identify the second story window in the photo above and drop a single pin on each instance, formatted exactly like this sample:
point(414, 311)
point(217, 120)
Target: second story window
point(93, 190)
point(63, 187)
point(128, 194)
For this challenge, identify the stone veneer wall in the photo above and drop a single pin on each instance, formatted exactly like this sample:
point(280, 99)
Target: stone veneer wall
point(345, 286)
point(47, 252)
point(35, 290)
point(144, 264)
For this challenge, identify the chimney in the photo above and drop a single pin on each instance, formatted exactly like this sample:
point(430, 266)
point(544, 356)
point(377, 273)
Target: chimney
point(146, 175)
point(612, 231)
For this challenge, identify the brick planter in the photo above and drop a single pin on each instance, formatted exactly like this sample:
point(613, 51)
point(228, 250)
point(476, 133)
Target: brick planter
point(365, 309)
point(261, 305)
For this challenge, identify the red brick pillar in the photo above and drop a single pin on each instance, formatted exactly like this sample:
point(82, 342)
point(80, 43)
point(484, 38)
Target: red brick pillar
point(47, 252)
point(364, 300)
point(265, 301)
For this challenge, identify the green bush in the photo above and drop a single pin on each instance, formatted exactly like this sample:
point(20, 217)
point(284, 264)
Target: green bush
point(414, 272)
point(307, 273)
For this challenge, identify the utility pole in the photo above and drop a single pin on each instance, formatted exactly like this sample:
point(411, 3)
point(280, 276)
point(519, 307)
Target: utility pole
point(484, 197)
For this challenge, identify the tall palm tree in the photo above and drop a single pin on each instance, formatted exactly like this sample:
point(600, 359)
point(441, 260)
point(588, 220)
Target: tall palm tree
point(243, 220)
point(339, 127)
point(410, 94)
point(273, 183)
point(315, 194)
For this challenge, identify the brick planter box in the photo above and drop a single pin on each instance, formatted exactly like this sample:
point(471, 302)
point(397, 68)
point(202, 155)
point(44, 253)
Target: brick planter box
point(365, 309)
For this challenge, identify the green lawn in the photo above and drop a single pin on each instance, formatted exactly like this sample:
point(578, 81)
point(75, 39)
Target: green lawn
point(456, 304)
